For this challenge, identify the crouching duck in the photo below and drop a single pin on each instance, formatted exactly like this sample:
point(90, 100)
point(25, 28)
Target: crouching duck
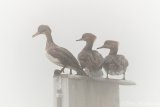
point(114, 64)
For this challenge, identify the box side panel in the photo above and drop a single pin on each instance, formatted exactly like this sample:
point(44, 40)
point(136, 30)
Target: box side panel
point(90, 93)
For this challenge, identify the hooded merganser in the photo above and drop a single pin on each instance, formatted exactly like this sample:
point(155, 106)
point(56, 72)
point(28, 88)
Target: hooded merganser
point(58, 55)
point(114, 64)
point(89, 59)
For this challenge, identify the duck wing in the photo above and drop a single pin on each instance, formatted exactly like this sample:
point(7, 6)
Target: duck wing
point(90, 60)
point(83, 57)
point(64, 56)
point(122, 61)
point(118, 60)
point(97, 58)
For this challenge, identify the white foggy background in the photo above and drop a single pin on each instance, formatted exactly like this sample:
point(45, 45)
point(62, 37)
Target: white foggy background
point(25, 72)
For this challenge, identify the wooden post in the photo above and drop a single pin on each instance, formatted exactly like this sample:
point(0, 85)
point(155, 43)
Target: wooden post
point(78, 91)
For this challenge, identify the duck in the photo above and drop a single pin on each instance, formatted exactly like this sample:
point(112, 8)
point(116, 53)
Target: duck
point(114, 64)
point(58, 55)
point(90, 59)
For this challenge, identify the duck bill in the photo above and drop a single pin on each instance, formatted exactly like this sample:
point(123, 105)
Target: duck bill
point(36, 34)
point(79, 39)
point(100, 47)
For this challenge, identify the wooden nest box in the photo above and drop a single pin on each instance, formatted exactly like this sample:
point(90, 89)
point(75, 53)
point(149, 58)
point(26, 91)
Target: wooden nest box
point(79, 91)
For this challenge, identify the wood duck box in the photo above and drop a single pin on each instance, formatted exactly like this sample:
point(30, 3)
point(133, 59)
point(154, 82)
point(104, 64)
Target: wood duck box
point(79, 91)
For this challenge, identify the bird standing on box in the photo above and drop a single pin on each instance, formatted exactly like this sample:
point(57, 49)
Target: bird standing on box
point(89, 59)
point(114, 64)
point(58, 55)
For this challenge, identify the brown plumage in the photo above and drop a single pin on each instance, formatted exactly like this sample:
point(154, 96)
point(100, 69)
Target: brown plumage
point(59, 55)
point(89, 59)
point(114, 64)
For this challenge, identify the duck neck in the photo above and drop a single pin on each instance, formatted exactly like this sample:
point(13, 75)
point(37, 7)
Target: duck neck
point(88, 46)
point(49, 41)
point(113, 51)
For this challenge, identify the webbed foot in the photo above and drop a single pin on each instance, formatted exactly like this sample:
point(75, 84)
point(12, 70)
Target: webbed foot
point(57, 72)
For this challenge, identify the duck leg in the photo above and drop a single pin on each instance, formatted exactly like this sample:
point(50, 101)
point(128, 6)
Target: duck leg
point(107, 75)
point(70, 71)
point(62, 70)
point(124, 76)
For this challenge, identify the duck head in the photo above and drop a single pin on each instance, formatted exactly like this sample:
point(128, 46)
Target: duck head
point(43, 29)
point(110, 44)
point(88, 37)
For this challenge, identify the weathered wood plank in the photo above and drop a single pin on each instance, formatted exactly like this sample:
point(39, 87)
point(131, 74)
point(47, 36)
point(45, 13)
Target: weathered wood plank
point(79, 91)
